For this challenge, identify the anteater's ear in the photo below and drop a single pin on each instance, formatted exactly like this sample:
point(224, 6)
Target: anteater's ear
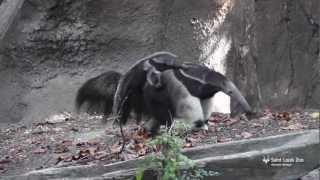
point(154, 78)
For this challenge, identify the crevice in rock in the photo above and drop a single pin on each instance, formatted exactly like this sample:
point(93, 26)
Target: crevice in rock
point(311, 90)
point(166, 11)
point(315, 26)
point(289, 46)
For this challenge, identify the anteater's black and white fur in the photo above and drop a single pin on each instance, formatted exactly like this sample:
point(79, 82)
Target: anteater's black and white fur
point(181, 94)
point(161, 87)
point(95, 96)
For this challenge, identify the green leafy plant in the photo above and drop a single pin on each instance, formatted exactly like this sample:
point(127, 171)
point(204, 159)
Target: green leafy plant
point(180, 129)
point(169, 162)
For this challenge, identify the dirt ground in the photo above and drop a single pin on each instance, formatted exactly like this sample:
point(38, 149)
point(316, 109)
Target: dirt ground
point(66, 139)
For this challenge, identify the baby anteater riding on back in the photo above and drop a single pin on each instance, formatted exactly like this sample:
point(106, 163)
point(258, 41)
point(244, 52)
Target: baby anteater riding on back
point(163, 89)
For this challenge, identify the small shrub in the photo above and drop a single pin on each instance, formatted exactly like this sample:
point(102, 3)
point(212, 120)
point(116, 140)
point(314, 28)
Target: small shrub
point(169, 162)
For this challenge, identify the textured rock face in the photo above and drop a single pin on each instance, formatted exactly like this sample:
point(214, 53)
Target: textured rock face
point(270, 48)
point(287, 36)
point(55, 46)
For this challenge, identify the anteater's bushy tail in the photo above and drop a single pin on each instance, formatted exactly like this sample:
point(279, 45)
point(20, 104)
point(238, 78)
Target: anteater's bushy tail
point(98, 93)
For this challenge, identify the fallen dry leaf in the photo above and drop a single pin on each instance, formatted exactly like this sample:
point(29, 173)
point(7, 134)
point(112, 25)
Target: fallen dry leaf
point(5, 160)
point(187, 145)
point(61, 148)
point(67, 158)
point(267, 112)
point(62, 157)
point(315, 115)
point(265, 118)
point(115, 148)
point(214, 120)
point(296, 126)
point(101, 155)
point(246, 135)
point(128, 156)
point(231, 121)
point(42, 123)
point(41, 130)
point(238, 136)
point(141, 133)
point(93, 150)
point(222, 140)
point(80, 144)
point(36, 142)
point(40, 150)
point(212, 124)
point(58, 118)
point(191, 139)
point(66, 142)
point(93, 142)
point(109, 131)
point(282, 116)
point(2, 169)
point(138, 146)
point(256, 125)
point(198, 135)
point(142, 152)
point(84, 152)
point(218, 117)
point(74, 129)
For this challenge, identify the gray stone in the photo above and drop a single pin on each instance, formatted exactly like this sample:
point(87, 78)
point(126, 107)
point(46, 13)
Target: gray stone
point(313, 175)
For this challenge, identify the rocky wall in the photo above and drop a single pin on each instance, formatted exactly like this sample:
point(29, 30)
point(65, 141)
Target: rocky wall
point(270, 48)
